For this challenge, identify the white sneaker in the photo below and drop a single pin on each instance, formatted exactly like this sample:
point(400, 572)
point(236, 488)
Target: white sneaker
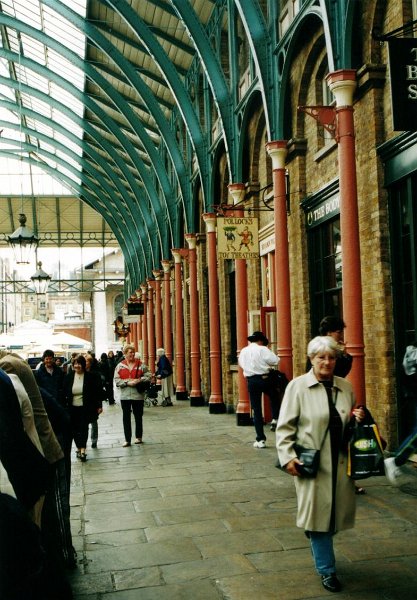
point(260, 444)
point(393, 472)
point(273, 424)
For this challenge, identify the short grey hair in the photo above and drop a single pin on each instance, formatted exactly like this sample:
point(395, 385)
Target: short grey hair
point(322, 343)
point(160, 352)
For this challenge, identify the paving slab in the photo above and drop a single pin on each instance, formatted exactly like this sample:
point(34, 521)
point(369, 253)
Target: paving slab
point(197, 513)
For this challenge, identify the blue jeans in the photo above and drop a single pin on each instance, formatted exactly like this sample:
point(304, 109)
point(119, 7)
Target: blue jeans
point(322, 551)
point(257, 385)
point(408, 447)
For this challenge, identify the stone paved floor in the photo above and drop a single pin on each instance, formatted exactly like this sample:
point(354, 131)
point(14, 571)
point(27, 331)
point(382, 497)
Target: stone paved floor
point(197, 513)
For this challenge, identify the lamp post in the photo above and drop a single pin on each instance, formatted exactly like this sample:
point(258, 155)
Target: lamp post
point(23, 242)
point(40, 280)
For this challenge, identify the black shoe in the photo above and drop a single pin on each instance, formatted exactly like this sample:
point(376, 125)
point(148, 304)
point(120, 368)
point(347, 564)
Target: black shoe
point(83, 457)
point(94, 445)
point(331, 583)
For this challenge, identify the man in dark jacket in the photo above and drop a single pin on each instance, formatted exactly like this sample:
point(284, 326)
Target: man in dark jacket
point(50, 377)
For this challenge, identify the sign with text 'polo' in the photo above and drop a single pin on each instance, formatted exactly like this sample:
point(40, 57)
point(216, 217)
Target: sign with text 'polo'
point(237, 237)
point(403, 68)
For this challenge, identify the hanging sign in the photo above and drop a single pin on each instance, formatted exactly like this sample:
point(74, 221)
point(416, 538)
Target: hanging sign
point(403, 68)
point(237, 237)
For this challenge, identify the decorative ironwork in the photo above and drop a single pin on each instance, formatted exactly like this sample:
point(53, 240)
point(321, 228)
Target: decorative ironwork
point(18, 286)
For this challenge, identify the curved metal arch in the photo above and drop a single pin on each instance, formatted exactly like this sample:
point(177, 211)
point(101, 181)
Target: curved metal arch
point(260, 45)
point(94, 172)
point(291, 46)
point(79, 192)
point(178, 90)
point(101, 82)
point(348, 35)
point(102, 42)
point(93, 202)
point(132, 210)
point(88, 102)
point(215, 77)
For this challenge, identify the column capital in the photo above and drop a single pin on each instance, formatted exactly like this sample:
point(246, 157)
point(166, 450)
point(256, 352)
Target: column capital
point(178, 254)
point(210, 219)
point(237, 191)
point(166, 265)
point(278, 151)
point(157, 274)
point(343, 85)
point(143, 288)
point(191, 240)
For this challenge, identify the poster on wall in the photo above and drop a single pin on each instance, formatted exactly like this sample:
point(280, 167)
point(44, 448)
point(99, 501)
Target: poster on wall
point(237, 237)
point(403, 70)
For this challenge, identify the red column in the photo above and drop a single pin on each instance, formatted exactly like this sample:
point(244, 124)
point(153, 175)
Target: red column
point(343, 84)
point(139, 325)
point(196, 396)
point(216, 403)
point(277, 150)
point(181, 391)
point(145, 355)
point(151, 327)
point(237, 191)
point(158, 310)
point(167, 317)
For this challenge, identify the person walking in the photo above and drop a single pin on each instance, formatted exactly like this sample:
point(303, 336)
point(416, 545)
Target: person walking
point(127, 374)
point(91, 366)
point(50, 377)
point(334, 327)
point(163, 374)
point(394, 472)
point(256, 361)
point(107, 371)
point(80, 392)
point(315, 412)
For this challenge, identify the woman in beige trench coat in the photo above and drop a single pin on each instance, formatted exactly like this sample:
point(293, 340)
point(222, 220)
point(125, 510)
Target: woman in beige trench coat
point(315, 411)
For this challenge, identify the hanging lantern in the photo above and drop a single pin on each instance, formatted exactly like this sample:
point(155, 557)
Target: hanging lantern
point(40, 280)
point(23, 241)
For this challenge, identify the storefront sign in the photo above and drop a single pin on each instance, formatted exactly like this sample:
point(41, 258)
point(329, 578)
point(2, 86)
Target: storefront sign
point(237, 237)
point(267, 245)
point(135, 308)
point(403, 68)
point(324, 211)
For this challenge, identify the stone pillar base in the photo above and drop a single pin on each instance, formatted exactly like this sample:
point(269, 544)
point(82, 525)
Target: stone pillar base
point(243, 419)
point(217, 408)
point(197, 401)
point(182, 395)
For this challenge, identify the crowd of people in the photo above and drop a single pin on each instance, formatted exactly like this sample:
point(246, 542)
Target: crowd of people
point(43, 413)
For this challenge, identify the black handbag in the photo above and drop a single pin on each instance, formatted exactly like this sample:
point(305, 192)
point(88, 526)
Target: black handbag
point(310, 457)
point(143, 386)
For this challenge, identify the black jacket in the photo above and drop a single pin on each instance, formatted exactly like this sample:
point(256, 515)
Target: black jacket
point(92, 394)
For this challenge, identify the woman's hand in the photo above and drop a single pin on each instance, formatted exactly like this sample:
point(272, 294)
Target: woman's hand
point(99, 411)
point(358, 413)
point(132, 382)
point(292, 469)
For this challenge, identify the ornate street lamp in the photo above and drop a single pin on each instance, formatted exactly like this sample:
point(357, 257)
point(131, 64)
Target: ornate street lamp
point(40, 280)
point(23, 242)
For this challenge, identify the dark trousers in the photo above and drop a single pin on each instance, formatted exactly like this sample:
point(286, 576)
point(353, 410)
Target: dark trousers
point(135, 407)
point(258, 385)
point(79, 426)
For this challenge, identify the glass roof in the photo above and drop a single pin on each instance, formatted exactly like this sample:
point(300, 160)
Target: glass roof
point(17, 176)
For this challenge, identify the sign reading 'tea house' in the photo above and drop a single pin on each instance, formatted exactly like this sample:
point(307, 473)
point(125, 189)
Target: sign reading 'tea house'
point(403, 69)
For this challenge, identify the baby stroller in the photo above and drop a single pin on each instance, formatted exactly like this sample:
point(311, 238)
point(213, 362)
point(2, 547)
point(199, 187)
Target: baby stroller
point(151, 397)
